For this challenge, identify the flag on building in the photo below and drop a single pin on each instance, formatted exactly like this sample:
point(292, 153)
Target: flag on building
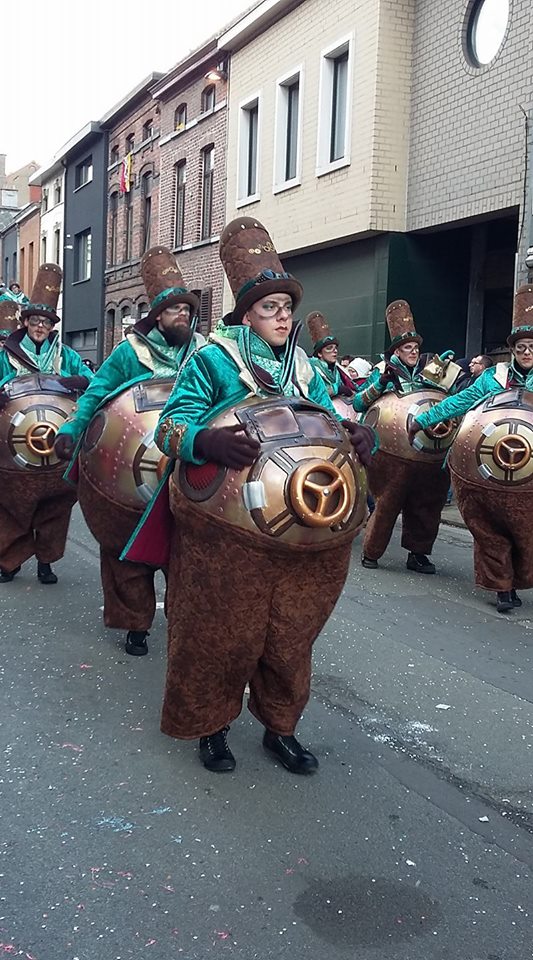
point(125, 175)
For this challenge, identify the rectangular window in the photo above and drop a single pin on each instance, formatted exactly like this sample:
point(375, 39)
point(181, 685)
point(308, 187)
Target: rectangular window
point(147, 130)
point(82, 339)
point(208, 165)
point(14, 274)
point(84, 172)
point(22, 280)
point(248, 184)
point(57, 245)
point(114, 155)
point(287, 137)
point(130, 143)
point(43, 249)
point(30, 266)
point(128, 251)
point(57, 192)
point(82, 256)
point(334, 107)
point(44, 200)
point(147, 210)
point(179, 207)
point(205, 310)
point(113, 232)
point(6, 270)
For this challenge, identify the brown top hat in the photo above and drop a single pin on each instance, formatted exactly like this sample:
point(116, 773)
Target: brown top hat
point(253, 267)
point(164, 284)
point(319, 331)
point(45, 293)
point(401, 325)
point(9, 315)
point(522, 325)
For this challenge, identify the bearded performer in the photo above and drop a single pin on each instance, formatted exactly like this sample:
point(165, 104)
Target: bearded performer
point(325, 356)
point(33, 520)
point(244, 607)
point(416, 490)
point(498, 518)
point(156, 347)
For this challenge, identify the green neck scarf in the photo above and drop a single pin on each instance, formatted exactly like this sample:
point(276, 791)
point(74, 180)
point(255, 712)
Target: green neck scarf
point(168, 360)
point(256, 352)
point(45, 359)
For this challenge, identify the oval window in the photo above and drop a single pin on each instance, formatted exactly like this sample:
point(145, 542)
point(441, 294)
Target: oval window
point(486, 30)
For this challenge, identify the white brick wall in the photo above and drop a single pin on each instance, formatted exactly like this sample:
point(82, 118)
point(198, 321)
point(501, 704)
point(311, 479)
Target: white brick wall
point(367, 195)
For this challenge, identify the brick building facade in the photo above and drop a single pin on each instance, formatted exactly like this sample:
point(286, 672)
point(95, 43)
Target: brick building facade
point(133, 127)
point(29, 239)
point(192, 148)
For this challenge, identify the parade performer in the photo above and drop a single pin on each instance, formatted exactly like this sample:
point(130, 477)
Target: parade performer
point(35, 509)
point(9, 317)
point(494, 496)
point(325, 354)
point(246, 606)
point(417, 490)
point(156, 347)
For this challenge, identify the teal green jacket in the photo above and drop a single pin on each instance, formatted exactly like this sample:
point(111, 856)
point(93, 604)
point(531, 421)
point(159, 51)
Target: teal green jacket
point(492, 381)
point(67, 363)
point(331, 376)
point(129, 363)
point(216, 378)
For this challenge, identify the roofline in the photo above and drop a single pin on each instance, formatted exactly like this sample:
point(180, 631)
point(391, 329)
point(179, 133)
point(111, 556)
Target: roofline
point(255, 22)
point(142, 87)
point(46, 173)
point(89, 130)
point(184, 68)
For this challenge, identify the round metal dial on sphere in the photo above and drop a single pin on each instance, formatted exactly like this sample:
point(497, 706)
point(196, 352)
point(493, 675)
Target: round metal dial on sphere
point(494, 445)
point(391, 416)
point(37, 408)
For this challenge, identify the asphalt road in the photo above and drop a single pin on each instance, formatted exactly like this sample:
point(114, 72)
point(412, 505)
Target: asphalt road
point(413, 842)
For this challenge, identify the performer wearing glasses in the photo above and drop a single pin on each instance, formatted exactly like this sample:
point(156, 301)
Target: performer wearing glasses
point(244, 606)
point(37, 524)
point(496, 503)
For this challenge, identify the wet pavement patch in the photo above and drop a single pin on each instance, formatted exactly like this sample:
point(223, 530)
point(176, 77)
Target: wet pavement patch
point(366, 911)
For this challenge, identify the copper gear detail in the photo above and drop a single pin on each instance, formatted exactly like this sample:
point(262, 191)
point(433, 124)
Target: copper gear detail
point(303, 488)
point(511, 452)
point(40, 438)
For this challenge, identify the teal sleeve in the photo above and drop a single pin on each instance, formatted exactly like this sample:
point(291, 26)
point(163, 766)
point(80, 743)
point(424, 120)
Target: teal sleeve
point(190, 405)
point(72, 365)
point(459, 403)
point(318, 393)
point(370, 390)
point(117, 370)
point(7, 372)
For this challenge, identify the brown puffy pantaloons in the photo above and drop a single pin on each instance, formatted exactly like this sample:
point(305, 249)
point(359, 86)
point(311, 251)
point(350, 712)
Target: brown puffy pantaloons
point(417, 491)
point(35, 513)
point(500, 524)
point(129, 592)
point(240, 613)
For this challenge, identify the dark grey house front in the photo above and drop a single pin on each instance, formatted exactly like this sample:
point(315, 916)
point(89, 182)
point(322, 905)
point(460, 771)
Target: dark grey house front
point(85, 159)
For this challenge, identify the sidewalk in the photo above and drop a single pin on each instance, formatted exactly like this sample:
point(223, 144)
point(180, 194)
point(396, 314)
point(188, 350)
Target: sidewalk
point(451, 516)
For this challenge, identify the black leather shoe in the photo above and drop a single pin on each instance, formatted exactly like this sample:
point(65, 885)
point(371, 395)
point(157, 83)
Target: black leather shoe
point(504, 601)
point(419, 563)
point(516, 599)
point(45, 573)
point(368, 563)
point(6, 576)
point(136, 644)
point(215, 753)
point(291, 754)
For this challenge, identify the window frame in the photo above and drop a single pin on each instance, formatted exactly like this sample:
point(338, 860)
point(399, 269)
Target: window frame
point(182, 107)
point(207, 189)
point(328, 56)
point(209, 91)
point(180, 191)
point(146, 197)
point(113, 233)
point(283, 85)
point(243, 165)
point(86, 164)
point(77, 255)
point(147, 130)
point(128, 226)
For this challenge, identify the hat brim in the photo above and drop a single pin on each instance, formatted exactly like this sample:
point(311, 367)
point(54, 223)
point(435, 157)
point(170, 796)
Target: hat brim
point(519, 335)
point(264, 289)
point(149, 320)
point(325, 342)
point(399, 342)
point(36, 311)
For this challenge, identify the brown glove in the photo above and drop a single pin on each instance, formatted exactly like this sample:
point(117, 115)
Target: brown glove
point(362, 440)
point(389, 375)
point(4, 399)
point(64, 446)
point(229, 446)
point(414, 428)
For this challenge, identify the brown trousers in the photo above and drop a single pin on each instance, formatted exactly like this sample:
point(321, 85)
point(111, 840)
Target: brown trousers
point(35, 513)
point(417, 491)
point(239, 613)
point(500, 524)
point(129, 592)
